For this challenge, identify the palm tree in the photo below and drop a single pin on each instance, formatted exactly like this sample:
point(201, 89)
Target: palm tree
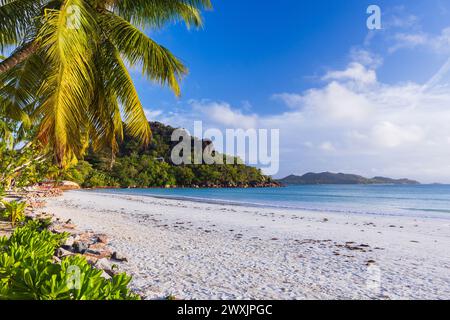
point(68, 69)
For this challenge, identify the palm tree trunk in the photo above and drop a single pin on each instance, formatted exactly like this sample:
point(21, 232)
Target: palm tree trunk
point(18, 56)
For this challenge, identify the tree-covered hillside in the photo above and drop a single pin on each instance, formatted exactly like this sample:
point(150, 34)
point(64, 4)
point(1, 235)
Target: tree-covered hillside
point(151, 166)
point(340, 178)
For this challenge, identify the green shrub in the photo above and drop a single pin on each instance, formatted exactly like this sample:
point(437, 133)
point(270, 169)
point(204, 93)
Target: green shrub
point(15, 211)
point(27, 270)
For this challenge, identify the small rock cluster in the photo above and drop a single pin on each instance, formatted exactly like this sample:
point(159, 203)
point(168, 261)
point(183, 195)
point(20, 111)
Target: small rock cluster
point(267, 184)
point(35, 204)
point(41, 193)
point(36, 199)
point(93, 246)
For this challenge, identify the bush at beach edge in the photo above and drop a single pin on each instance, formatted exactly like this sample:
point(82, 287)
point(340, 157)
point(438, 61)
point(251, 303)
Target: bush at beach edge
point(28, 270)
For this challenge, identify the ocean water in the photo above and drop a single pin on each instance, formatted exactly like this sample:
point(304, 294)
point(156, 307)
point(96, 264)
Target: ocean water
point(410, 200)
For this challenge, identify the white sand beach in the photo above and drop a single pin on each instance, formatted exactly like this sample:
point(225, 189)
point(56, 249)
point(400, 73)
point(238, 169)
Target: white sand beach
point(209, 251)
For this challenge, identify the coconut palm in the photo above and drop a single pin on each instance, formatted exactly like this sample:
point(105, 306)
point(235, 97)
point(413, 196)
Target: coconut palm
point(68, 68)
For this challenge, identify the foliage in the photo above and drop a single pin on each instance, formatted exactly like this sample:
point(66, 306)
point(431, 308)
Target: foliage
point(65, 87)
point(14, 211)
point(135, 166)
point(21, 168)
point(68, 71)
point(150, 166)
point(142, 171)
point(86, 176)
point(22, 163)
point(27, 270)
point(147, 171)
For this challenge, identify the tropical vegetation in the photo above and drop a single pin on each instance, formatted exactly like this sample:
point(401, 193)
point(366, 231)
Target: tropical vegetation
point(28, 270)
point(151, 166)
point(65, 88)
point(14, 211)
point(67, 72)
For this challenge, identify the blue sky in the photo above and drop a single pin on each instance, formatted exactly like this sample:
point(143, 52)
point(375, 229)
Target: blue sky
point(344, 98)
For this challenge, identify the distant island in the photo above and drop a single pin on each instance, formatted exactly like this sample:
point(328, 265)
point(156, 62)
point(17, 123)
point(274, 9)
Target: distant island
point(340, 178)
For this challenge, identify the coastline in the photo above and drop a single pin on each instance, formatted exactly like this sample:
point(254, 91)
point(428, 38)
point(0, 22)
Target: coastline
point(196, 250)
point(212, 186)
point(407, 212)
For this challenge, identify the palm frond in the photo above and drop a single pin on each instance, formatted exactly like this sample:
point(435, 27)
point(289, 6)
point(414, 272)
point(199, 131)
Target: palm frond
point(106, 127)
point(155, 13)
point(18, 89)
point(157, 62)
point(118, 80)
point(16, 18)
point(68, 89)
point(68, 73)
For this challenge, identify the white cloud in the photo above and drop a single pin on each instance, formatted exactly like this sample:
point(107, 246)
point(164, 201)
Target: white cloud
point(349, 124)
point(292, 100)
point(402, 20)
point(387, 134)
point(439, 44)
point(327, 146)
point(153, 115)
point(222, 114)
point(408, 40)
point(366, 127)
point(394, 19)
point(403, 30)
point(374, 128)
point(336, 103)
point(366, 58)
point(354, 72)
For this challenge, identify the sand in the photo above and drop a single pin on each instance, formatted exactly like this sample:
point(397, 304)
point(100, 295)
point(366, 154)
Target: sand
point(197, 250)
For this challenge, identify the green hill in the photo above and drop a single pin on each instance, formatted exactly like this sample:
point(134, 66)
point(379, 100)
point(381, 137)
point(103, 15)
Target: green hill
point(143, 167)
point(340, 178)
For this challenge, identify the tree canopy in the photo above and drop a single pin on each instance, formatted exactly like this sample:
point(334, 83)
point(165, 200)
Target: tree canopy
point(68, 70)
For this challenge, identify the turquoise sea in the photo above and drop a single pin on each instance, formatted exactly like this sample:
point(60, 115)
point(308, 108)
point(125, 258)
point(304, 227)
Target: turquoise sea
point(411, 200)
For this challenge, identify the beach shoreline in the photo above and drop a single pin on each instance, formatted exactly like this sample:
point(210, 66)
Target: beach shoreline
point(197, 250)
point(413, 213)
